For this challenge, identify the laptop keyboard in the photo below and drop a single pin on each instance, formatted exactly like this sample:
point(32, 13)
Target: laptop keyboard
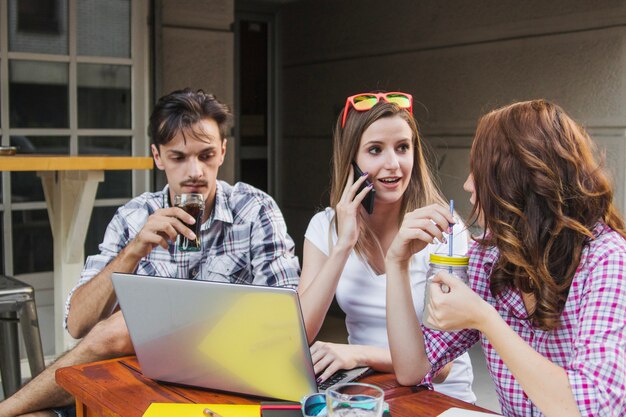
point(334, 378)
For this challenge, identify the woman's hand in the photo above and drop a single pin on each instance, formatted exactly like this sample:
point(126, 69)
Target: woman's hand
point(453, 305)
point(419, 228)
point(347, 211)
point(328, 358)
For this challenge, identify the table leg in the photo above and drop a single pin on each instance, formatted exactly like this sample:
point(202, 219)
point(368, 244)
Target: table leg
point(70, 196)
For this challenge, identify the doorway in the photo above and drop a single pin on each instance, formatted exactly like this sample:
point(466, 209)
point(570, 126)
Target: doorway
point(255, 111)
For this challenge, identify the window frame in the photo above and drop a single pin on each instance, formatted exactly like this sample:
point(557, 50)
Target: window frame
point(139, 87)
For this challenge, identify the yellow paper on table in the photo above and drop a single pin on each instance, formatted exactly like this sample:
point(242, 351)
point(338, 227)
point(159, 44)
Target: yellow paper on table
point(197, 410)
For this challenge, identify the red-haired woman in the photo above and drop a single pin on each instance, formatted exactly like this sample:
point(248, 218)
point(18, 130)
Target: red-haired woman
point(547, 291)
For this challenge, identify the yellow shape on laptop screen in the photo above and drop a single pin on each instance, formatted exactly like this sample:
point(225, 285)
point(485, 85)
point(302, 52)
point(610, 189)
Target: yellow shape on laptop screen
point(266, 355)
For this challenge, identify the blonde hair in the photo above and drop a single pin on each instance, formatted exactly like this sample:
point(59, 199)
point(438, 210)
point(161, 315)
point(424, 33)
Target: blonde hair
point(421, 190)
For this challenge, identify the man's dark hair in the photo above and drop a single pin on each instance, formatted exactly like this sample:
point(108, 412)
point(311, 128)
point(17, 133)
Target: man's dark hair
point(180, 110)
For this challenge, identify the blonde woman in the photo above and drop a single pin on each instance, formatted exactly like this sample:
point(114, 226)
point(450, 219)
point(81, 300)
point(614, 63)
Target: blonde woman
point(345, 246)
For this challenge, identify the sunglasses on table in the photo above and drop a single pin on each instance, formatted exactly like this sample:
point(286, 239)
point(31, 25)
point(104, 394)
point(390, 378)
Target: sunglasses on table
point(314, 405)
point(365, 101)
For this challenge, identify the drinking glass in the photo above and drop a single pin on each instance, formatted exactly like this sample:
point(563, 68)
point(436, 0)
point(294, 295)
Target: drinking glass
point(354, 399)
point(193, 204)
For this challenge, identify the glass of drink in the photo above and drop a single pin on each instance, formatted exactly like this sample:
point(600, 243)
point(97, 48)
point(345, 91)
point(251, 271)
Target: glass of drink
point(193, 204)
point(455, 265)
point(354, 399)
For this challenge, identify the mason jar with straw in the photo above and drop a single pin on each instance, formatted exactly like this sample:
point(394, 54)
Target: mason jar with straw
point(453, 264)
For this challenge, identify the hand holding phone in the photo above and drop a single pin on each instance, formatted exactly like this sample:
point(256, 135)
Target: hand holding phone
point(368, 201)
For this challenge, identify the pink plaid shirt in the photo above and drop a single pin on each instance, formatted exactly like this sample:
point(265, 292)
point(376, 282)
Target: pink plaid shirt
point(590, 344)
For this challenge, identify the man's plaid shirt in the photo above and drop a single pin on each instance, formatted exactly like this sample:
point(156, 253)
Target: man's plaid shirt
point(244, 240)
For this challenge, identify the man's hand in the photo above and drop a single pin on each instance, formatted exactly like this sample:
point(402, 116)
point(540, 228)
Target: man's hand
point(162, 227)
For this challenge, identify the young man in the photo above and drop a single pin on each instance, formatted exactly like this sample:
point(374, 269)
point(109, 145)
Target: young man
point(243, 235)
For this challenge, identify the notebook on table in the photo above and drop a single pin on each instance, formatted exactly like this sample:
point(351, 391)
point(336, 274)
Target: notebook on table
point(240, 338)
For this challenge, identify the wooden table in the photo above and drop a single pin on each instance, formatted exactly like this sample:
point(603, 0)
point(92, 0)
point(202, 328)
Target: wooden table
point(69, 184)
point(117, 388)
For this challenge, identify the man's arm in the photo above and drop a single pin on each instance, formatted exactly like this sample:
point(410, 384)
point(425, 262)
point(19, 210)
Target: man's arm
point(95, 300)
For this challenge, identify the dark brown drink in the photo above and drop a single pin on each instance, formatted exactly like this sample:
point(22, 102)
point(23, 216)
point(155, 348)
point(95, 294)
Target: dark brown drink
point(195, 208)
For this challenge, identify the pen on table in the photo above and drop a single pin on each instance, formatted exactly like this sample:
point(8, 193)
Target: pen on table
point(211, 413)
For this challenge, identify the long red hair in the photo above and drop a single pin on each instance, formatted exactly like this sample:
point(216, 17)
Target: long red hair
point(540, 191)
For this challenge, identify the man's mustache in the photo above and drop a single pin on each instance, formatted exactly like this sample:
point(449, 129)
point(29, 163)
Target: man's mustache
point(193, 184)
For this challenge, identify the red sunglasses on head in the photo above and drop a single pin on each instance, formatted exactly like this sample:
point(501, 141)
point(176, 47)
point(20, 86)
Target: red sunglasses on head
point(365, 101)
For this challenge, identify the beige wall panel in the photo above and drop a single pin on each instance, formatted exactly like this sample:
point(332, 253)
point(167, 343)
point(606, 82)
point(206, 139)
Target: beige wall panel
point(201, 59)
point(457, 85)
point(208, 14)
point(452, 167)
point(331, 29)
point(612, 145)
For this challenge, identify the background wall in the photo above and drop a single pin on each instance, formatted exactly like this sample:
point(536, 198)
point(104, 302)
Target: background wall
point(195, 48)
point(459, 59)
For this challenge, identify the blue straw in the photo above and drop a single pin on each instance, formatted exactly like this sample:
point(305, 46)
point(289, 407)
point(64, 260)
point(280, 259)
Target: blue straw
point(450, 236)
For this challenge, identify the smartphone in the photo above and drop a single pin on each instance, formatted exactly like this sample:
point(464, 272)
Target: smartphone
point(368, 201)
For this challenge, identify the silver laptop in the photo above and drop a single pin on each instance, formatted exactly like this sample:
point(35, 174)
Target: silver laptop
point(241, 338)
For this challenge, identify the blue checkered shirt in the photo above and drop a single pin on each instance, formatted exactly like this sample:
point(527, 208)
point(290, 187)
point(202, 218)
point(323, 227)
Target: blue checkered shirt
point(244, 241)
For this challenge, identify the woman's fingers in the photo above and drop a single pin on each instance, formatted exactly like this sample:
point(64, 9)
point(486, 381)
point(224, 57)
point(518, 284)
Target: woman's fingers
point(346, 188)
point(352, 186)
point(363, 193)
point(322, 364)
point(433, 220)
point(329, 371)
point(424, 230)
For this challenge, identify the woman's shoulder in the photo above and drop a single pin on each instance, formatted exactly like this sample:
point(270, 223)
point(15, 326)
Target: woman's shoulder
point(320, 221)
point(318, 229)
point(606, 243)
point(480, 254)
point(323, 217)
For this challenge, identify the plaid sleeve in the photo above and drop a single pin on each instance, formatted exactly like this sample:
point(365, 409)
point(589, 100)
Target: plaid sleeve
point(443, 347)
point(115, 239)
point(597, 371)
point(272, 249)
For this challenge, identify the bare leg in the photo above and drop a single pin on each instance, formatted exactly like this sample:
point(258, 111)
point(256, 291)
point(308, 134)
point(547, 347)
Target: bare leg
point(108, 339)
